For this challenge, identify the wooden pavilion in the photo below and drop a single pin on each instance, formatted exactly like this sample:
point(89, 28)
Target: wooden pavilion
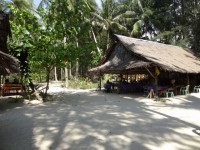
point(130, 55)
point(8, 63)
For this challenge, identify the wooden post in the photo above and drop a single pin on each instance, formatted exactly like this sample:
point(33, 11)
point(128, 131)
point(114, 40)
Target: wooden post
point(66, 77)
point(156, 84)
point(155, 76)
point(121, 76)
point(127, 76)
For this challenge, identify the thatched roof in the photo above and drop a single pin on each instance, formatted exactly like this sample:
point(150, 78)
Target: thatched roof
point(8, 64)
point(130, 53)
point(118, 59)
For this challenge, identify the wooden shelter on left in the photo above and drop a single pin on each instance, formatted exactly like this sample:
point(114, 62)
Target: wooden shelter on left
point(8, 64)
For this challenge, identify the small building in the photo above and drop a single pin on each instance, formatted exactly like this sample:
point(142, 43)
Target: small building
point(8, 63)
point(131, 56)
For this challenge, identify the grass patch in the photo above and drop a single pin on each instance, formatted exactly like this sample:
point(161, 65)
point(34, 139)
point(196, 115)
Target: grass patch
point(82, 84)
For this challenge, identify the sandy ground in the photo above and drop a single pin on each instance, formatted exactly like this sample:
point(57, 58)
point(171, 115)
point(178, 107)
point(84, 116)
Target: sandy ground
point(90, 120)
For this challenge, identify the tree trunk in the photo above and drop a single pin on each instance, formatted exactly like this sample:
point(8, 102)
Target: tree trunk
point(95, 40)
point(47, 81)
point(140, 5)
point(23, 88)
point(37, 95)
point(66, 77)
point(40, 77)
point(66, 70)
point(70, 70)
point(61, 74)
point(196, 27)
point(55, 74)
point(77, 69)
point(108, 37)
point(77, 64)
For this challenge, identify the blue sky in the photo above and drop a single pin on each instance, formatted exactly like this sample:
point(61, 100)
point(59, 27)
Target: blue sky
point(38, 1)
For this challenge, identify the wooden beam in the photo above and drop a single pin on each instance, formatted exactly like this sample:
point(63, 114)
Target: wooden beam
point(150, 72)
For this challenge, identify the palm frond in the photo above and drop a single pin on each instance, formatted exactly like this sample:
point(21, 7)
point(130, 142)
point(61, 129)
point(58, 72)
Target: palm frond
point(97, 16)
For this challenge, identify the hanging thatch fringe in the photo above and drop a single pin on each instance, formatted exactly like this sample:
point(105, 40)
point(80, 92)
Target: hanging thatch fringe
point(8, 64)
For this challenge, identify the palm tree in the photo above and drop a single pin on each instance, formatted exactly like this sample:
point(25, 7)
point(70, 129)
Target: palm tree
point(143, 28)
point(3, 5)
point(23, 4)
point(110, 19)
point(67, 18)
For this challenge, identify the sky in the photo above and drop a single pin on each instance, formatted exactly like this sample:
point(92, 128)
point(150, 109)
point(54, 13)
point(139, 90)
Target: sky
point(38, 1)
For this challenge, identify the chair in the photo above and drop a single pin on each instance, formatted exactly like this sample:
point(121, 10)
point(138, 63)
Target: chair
point(146, 91)
point(196, 89)
point(169, 93)
point(184, 90)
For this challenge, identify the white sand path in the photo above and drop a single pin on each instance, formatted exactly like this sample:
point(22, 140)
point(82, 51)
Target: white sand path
point(90, 120)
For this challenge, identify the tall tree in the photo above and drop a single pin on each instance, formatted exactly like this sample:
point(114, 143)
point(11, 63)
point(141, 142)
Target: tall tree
point(110, 20)
point(23, 24)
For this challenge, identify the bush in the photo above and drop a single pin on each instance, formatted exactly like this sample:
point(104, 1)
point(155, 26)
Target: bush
point(82, 84)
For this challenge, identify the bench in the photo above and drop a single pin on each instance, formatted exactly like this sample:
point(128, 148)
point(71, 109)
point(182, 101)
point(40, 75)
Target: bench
point(12, 89)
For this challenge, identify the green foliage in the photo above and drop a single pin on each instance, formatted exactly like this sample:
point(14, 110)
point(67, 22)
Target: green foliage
point(112, 19)
point(137, 31)
point(82, 84)
point(3, 4)
point(23, 24)
point(61, 32)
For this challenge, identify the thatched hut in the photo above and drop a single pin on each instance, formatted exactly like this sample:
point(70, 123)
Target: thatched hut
point(130, 55)
point(8, 63)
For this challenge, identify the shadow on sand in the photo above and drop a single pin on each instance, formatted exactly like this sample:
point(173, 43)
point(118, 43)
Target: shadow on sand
point(90, 120)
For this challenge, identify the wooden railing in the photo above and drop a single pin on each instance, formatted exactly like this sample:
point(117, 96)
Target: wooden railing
point(12, 89)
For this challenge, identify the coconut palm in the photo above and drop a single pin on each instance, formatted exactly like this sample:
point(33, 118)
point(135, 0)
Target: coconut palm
point(143, 28)
point(3, 5)
point(23, 4)
point(112, 18)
